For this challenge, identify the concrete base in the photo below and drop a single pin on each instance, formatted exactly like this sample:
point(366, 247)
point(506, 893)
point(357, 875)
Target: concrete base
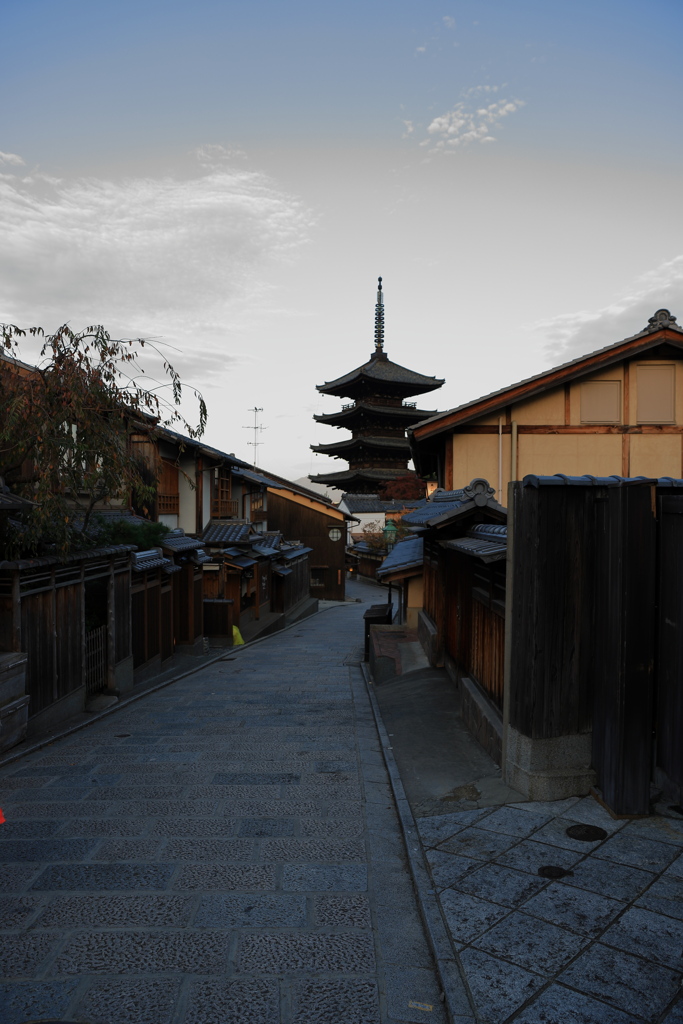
point(123, 675)
point(50, 718)
point(428, 636)
point(482, 718)
point(549, 769)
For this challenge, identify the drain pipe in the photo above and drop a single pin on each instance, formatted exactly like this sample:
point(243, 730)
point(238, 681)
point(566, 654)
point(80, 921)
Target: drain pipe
point(500, 459)
point(513, 452)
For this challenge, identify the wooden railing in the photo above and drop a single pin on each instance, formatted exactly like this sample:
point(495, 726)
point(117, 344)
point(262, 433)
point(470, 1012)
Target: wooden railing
point(222, 507)
point(259, 515)
point(168, 504)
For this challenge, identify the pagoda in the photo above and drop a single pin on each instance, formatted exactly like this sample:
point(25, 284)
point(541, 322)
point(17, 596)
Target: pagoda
point(378, 416)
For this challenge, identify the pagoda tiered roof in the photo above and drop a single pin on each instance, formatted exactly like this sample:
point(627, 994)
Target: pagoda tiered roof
point(380, 376)
point(393, 446)
point(349, 479)
point(348, 415)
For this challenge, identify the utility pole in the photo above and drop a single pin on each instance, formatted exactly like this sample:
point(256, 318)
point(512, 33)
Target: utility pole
point(257, 428)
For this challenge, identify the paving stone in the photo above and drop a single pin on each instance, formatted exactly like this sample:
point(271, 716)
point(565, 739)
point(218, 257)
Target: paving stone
point(42, 850)
point(251, 911)
point(194, 827)
point(104, 876)
point(588, 811)
point(103, 827)
point(118, 952)
point(665, 896)
point(675, 1014)
point(335, 1002)
point(255, 778)
point(447, 868)
point(128, 850)
point(29, 829)
point(559, 1005)
point(409, 989)
point(234, 1002)
point(334, 766)
point(498, 884)
point(649, 935)
point(617, 881)
point(578, 909)
point(39, 1000)
point(467, 916)
point(208, 850)
point(478, 844)
point(638, 853)
point(23, 955)
point(45, 794)
point(164, 808)
point(225, 876)
point(624, 981)
point(136, 793)
point(116, 911)
point(312, 850)
point(662, 830)
point(513, 822)
point(529, 856)
point(266, 827)
point(16, 877)
point(273, 953)
point(135, 1002)
point(318, 878)
point(16, 910)
point(61, 809)
point(532, 944)
point(327, 828)
point(275, 808)
point(555, 834)
point(498, 988)
point(342, 911)
point(439, 827)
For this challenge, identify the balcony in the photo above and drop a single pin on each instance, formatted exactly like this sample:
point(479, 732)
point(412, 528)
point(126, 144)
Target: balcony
point(168, 504)
point(224, 508)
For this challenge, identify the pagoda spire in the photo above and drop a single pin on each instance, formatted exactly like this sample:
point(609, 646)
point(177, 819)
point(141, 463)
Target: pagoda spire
point(379, 319)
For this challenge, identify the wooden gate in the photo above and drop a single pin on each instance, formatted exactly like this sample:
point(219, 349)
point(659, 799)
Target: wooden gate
point(669, 688)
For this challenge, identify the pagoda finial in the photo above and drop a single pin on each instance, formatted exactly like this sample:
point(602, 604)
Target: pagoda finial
point(379, 318)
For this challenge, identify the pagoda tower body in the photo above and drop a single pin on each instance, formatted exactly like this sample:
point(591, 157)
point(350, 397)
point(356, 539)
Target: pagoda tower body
point(378, 416)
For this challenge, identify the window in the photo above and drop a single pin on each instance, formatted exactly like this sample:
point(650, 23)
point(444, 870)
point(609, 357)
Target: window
point(656, 391)
point(601, 401)
point(335, 533)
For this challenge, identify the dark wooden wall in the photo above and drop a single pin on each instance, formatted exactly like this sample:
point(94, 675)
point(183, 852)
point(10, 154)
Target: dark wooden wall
point(307, 524)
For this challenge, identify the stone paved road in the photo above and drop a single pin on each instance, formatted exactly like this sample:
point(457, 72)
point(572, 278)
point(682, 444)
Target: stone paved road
point(223, 851)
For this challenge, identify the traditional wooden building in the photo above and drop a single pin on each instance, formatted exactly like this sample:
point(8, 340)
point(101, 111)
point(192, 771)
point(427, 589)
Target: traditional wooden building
point(616, 411)
point(377, 416)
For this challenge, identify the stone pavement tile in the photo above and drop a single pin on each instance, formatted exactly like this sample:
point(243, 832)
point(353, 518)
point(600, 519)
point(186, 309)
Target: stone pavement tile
point(278, 851)
point(342, 911)
point(663, 830)
point(8, 784)
point(618, 881)
point(164, 808)
point(578, 909)
point(138, 952)
point(104, 876)
point(255, 778)
point(649, 935)
point(246, 877)
point(409, 989)
point(23, 1001)
point(254, 1001)
point(285, 952)
point(401, 937)
point(477, 843)
point(209, 850)
point(127, 850)
point(44, 850)
point(529, 856)
point(624, 981)
point(150, 910)
point(560, 1005)
point(665, 896)
point(47, 793)
point(513, 822)
point(498, 884)
point(330, 877)
point(588, 811)
point(135, 1002)
point(636, 852)
point(194, 827)
point(250, 911)
point(324, 766)
point(675, 1014)
point(335, 1002)
point(15, 911)
point(102, 827)
point(129, 792)
point(532, 944)
point(676, 867)
point(61, 809)
point(468, 917)
point(284, 808)
point(438, 827)
point(386, 848)
point(555, 834)
point(265, 827)
point(22, 956)
point(447, 868)
point(16, 877)
point(498, 988)
point(331, 829)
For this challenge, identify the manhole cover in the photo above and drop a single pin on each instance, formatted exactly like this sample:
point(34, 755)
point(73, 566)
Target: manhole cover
point(586, 833)
point(121, 735)
point(553, 871)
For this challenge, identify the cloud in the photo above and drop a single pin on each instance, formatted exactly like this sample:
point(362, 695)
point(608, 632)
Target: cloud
point(467, 122)
point(448, 21)
point(11, 158)
point(573, 334)
point(185, 260)
point(421, 49)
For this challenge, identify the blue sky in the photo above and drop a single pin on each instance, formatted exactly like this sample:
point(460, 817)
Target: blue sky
point(232, 177)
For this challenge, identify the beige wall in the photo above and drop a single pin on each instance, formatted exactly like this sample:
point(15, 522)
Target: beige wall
point(548, 408)
point(655, 455)
point(414, 602)
point(573, 454)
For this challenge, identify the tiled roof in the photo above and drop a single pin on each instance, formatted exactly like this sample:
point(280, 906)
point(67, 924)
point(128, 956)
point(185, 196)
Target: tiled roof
point(383, 371)
point(349, 476)
point(218, 532)
point(151, 559)
point(400, 444)
point(486, 541)
point(560, 480)
point(407, 554)
point(178, 542)
point(373, 503)
point(256, 478)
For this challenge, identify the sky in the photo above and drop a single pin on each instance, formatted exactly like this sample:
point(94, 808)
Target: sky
point(228, 179)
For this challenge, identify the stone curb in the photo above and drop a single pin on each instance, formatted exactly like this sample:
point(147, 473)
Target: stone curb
point(225, 652)
point(456, 994)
